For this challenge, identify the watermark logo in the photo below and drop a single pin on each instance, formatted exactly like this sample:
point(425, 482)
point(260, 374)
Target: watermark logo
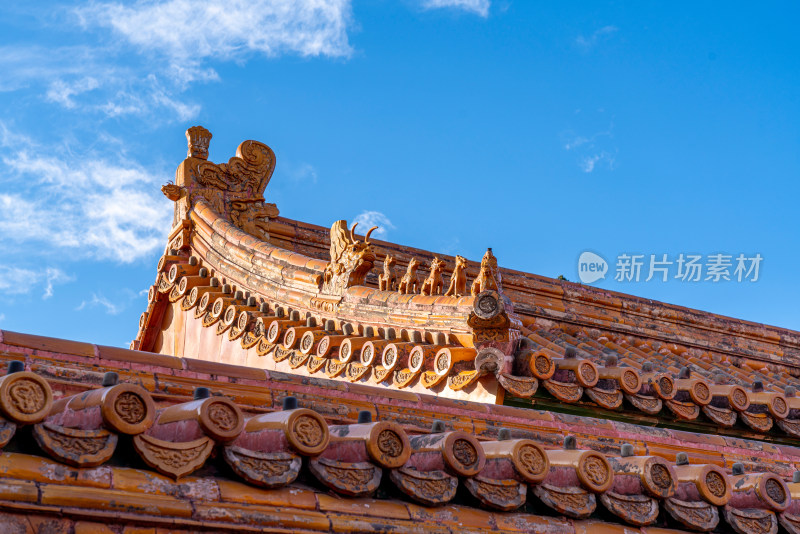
point(591, 267)
point(713, 268)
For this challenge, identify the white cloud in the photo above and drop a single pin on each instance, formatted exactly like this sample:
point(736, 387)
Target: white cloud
point(596, 37)
point(101, 301)
point(173, 41)
point(368, 219)
point(25, 65)
point(479, 7)
point(17, 281)
point(188, 33)
point(54, 276)
point(303, 172)
point(21, 281)
point(92, 80)
point(61, 92)
point(592, 150)
point(2, 317)
point(84, 204)
point(146, 96)
point(589, 163)
point(575, 142)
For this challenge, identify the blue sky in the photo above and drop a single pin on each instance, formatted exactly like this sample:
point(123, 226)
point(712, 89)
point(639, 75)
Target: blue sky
point(542, 130)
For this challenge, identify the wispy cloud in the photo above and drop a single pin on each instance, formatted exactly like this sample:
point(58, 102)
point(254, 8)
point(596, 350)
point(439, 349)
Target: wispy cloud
point(2, 317)
point(368, 219)
point(173, 42)
point(479, 7)
point(21, 281)
point(598, 36)
point(61, 92)
point(187, 33)
point(52, 277)
point(452, 247)
point(304, 172)
point(24, 66)
point(590, 162)
point(102, 302)
point(82, 203)
point(595, 150)
point(92, 81)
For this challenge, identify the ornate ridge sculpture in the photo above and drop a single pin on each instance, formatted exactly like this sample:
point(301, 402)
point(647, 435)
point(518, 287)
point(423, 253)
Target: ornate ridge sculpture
point(234, 190)
point(351, 259)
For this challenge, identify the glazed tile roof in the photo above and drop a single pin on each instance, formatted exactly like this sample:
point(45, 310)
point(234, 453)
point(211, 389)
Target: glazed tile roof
point(281, 381)
point(111, 435)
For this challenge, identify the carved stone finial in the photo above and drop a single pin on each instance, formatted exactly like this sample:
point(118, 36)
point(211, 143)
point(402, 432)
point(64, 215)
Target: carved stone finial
point(199, 138)
point(234, 190)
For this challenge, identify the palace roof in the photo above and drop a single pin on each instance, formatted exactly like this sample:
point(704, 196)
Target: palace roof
point(290, 376)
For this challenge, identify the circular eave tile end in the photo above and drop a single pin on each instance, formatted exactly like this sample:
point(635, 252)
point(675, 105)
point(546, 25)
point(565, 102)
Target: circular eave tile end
point(307, 432)
point(594, 472)
point(128, 409)
point(774, 492)
point(714, 486)
point(531, 461)
point(659, 478)
point(463, 454)
point(25, 397)
point(388, 445)
point(221, 419)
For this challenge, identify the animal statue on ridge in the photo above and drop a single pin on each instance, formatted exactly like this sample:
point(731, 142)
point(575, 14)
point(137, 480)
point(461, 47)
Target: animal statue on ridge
point(409, 283)
point(433, 284)
point(458, 281)
point(387, 281)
